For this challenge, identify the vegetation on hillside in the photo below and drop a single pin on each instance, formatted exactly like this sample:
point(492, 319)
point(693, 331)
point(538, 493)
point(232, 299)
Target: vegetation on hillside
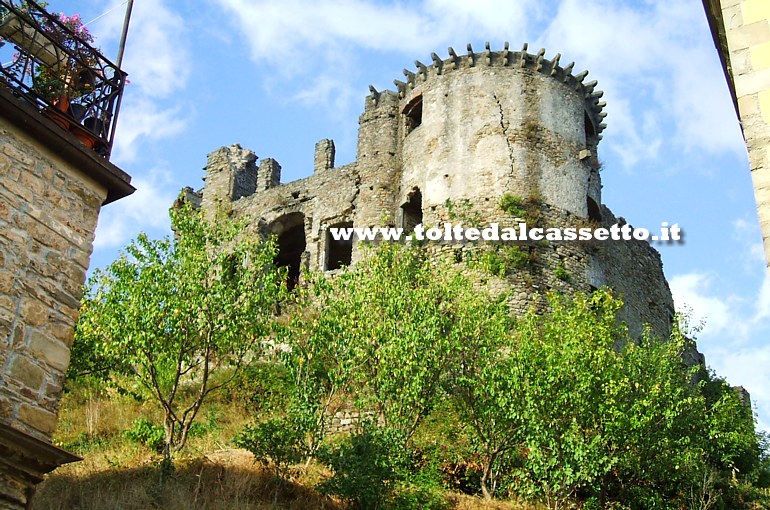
point(450, 392)
point(165, 317)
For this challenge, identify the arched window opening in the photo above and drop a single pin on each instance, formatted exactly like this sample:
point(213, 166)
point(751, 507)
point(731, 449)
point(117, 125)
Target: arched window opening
point(594, 213)
point(290, 230)
point(413, 113)
point(411, 211)
point(339, 252)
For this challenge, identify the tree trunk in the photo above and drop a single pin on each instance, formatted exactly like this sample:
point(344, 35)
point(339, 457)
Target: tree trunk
point(485, 474)
point(166, 464)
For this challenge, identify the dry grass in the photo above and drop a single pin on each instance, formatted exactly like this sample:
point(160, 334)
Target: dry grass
point(463, 502)
point(116, 474)
point(222, 480)
point(92, 422)
point(218, 482)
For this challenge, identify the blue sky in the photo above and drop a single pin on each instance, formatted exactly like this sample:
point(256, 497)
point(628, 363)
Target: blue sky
point(276, 77)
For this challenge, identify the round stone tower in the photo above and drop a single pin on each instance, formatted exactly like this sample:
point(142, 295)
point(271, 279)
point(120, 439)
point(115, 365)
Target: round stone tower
point(479, 125)
point(460, 134)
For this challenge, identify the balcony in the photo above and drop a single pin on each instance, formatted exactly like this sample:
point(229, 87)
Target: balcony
point(46, 64)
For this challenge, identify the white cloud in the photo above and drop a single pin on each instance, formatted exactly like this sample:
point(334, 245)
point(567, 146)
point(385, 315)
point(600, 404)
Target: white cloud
point(157, 55)
point(748, 367)
point(296, 33)
point(327, 90)
point(655, 60)
point(763, 303)
point(143, 117)
point(157, 60)
point(747, 234)
point(496, 20)
point(691, 293)
point(324, 40)
point(657, 65)
point(146, 208)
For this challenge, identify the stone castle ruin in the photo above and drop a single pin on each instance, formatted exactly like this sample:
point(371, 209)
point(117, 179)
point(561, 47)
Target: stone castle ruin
point(459, 133)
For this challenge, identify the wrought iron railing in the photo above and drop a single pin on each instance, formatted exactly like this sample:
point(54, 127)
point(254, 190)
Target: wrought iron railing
point(46, 63)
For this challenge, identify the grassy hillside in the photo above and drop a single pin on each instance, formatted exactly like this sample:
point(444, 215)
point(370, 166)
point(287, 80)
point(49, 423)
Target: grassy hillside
point(121, 473)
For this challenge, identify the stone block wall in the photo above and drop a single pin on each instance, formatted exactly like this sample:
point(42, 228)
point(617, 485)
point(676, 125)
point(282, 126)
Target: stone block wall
point(48, 214)
point(748, 36)
point(324, 199)
point(741, 30)
point(51, 190)
point(633, 269)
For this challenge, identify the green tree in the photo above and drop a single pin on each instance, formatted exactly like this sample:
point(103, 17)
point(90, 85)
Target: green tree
point(170, 313)
point(565, 359)
point(484, 383)
point(379, 337)
point(652, 421)
point(623, 420)
point(392, 320)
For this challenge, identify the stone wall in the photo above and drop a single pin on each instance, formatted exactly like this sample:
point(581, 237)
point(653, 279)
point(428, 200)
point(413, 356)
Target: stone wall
point(477, 139)
point(633, 269)
point(51, 191)
point(48, 215)
point(741, 30)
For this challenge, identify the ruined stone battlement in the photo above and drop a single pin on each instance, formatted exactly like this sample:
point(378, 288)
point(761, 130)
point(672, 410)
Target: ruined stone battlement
point(465, 130)
point(505, 58)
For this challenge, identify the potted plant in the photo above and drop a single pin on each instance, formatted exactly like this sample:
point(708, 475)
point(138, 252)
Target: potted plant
point(72, 75)
point(74, 83)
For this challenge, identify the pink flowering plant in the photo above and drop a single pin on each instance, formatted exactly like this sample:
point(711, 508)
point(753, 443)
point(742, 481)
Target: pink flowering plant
point(55, 52)
point(74, 75)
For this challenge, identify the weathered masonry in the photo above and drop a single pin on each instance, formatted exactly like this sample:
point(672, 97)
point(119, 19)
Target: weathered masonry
point(51, 190)
point(741, 32)
point(459, 132)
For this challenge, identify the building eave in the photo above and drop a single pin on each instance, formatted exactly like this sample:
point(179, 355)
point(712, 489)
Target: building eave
point(66, 145)
point(713, 9)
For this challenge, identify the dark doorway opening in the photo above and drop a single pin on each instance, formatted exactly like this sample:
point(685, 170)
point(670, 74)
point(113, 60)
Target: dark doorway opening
point(413, 113)
point(339, 252)
point(411, 211)
point(290, 230)
point(594, 213)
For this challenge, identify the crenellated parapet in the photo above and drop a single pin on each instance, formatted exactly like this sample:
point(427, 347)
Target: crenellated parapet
point(508, 59)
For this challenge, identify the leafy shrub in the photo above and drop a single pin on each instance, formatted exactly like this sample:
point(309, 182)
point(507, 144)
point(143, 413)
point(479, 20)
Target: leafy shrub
point(443, 442)
point(84, 443)
point(261, 388)
point(463, 211)
point(561, 273)
point(373, 470)
point(200, 429)
point(512, 205)
point(420, 490)
point(366, 466)
point(279, 442)
point(500, 259)
point(145, 432)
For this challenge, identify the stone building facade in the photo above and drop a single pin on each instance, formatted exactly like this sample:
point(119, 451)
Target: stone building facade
point(458, 135)
point(51, 190)
point(741, 32)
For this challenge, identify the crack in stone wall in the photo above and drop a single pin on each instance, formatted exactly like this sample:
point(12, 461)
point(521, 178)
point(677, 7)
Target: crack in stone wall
point(504, 126)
